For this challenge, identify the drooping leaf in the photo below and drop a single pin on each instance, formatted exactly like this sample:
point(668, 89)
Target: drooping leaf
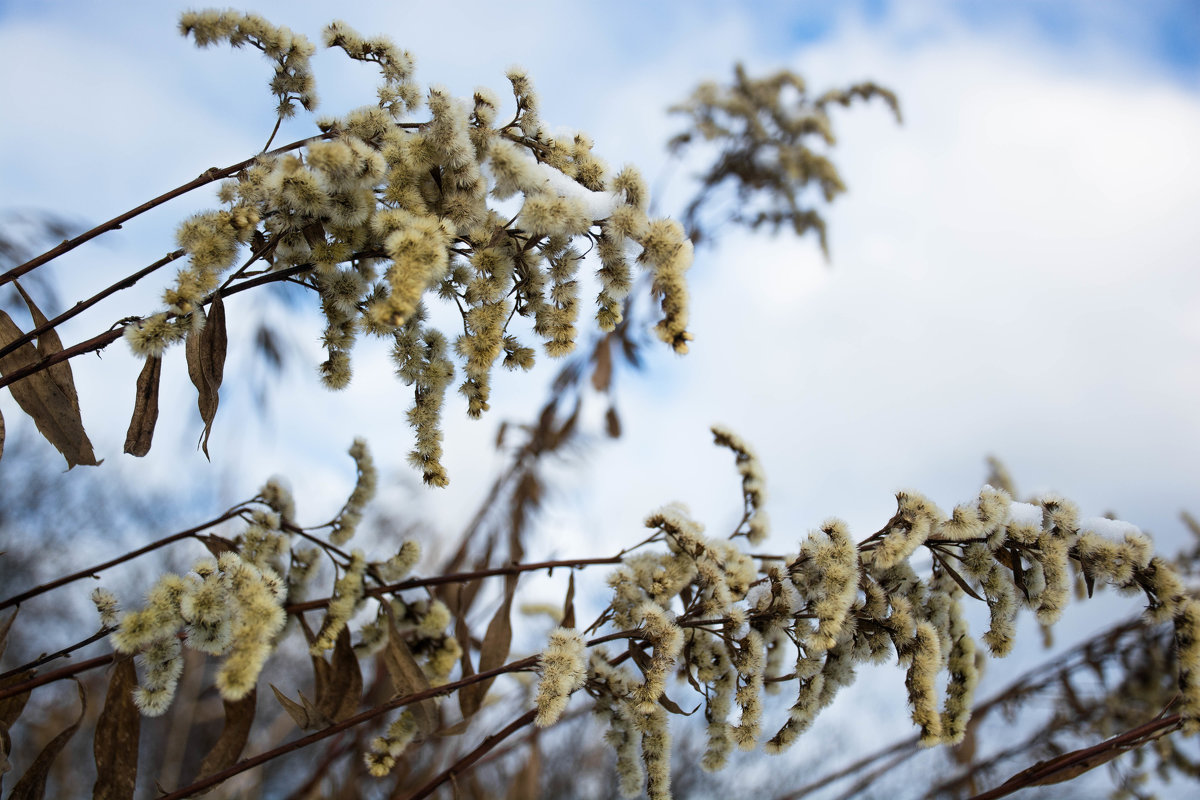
point(5, 749)
point(305, 713)
point(408, 678)
point(145, 409)
point(239, 716)
point(494, 650)
point(673, 707)
point(5, 627)
point(49, 397)
point(118, 730)
point(612, 423)
point(959, 579)
point(11, 707)
point(205, 350)
point(1, 435)
point(568, 617)
point(32, 785)
point(342, 691)
point(602, 374)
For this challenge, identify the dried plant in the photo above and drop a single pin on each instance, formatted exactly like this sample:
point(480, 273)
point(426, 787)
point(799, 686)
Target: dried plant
point(377, 215)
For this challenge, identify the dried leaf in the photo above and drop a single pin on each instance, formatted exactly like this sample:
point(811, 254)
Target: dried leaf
point(145, 409)
point(49, 396)
point(1, 435)
point(11, 707)
point(118, 730)
point(672, 707)
point(5, 749)
point(408, 678)
point(1018, 572)
point(612, 423)
point(568, 616)
point(239, 716)
point(32, 785)
point(205, 350)
point(493, 652)
point(217, 545)
point(305, 713)
point(525, 783)
point(342, 690)
point(4, 629)
point(602, 374)
point(959, 579)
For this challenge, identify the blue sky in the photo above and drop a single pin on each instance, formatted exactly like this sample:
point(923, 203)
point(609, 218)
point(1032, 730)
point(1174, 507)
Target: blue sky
point(1013, 269)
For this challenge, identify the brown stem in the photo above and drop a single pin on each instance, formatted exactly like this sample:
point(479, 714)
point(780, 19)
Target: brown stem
point(66, 651)
point(207, 177)
point(141, 551)
point(84, 305)
point(458, 577)
point(467, 761)
point(1069, 763)
point(56, 675)
point(346, 724)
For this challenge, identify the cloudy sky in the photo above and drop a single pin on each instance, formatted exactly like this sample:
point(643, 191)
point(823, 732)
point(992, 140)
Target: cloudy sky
point(1014, 270)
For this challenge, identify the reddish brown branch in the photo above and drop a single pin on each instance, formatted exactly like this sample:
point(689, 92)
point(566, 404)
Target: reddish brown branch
point(84, 305)
point(460, 577)
point(89, 572)
point(467, 761)
point(56, 675)
point(346, 724)
point(115, 223)
point(1069, 765)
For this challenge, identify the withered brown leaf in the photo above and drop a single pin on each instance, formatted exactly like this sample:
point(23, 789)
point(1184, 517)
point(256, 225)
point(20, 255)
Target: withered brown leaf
point(239, 716)
point(493, 652)
point(205, 351)
point(49, 396)
point(145, 409)
point(118, 730)
point(32, 785)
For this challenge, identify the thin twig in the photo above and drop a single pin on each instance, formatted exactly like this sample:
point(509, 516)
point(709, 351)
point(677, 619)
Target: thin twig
point(205, 178)
point(56, 675)
point(16, 600)
point(63, 653)
point(460, 577)
point(84, 305)
point(1067, 765)
point(467, 761)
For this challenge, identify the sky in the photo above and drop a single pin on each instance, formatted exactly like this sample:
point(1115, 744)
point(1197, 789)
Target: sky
point(1013, 270)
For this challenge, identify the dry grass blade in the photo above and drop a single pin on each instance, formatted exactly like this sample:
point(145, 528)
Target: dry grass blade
point(145, 409)
point(49, 396)
point(493, 652)
point(118, 730)
point(32, 785)
point(239, 716)
point(205, 350)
